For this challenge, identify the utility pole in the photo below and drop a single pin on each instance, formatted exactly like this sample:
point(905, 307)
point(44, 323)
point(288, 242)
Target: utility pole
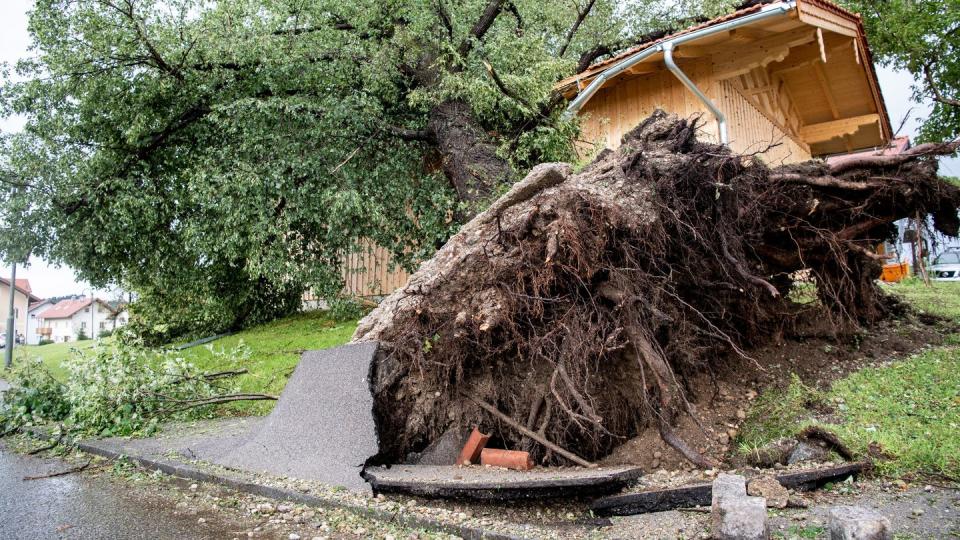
point(11, 337)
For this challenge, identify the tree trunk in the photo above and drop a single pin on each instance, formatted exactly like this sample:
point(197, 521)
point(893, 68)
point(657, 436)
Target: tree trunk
point(469, 156)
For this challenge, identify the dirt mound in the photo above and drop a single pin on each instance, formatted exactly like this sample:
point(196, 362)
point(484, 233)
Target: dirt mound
point(583, 304)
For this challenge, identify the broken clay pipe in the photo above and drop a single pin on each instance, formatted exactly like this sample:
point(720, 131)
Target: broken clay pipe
point(508, 459)
point(470, 453)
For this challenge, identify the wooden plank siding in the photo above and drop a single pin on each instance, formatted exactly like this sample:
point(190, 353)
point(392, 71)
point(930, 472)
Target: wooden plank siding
point(368, 272)
point(617, 109)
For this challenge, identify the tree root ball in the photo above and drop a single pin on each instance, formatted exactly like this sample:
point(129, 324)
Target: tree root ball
point(580, 303)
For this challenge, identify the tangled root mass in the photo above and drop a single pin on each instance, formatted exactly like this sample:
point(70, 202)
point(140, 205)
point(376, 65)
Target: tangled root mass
point(580, 304)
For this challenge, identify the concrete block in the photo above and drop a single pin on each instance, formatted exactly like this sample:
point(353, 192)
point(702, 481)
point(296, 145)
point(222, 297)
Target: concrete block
point(728, 485)
point(734, 515)
point(858, 523)
point(742, 518)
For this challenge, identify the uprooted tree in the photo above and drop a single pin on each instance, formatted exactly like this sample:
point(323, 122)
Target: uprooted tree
point(580, 303)
point(226, 155)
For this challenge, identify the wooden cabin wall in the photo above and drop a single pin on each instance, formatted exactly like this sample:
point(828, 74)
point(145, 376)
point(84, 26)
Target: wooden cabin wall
point(368, 273)
point(750, 131)
point(618, 108)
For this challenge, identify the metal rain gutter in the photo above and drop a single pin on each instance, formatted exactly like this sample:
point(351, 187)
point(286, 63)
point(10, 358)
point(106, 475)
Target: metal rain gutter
point(682, 77)
point(768, 11)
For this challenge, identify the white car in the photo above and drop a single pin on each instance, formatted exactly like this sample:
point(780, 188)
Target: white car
point(946, 267)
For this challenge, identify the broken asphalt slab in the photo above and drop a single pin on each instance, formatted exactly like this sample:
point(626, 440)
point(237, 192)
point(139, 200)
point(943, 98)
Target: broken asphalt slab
point(495, 484)
point(660, 500)
point(322, 428)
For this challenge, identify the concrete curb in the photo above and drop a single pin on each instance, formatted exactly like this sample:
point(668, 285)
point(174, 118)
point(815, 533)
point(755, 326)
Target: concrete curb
point(187, 472)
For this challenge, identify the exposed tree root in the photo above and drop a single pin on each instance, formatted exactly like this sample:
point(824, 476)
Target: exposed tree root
point(579, 305)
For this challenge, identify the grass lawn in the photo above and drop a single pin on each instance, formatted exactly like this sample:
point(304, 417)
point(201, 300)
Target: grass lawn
point(939, 298)
point(274, 350)
point(911, 408)
point(52, 355)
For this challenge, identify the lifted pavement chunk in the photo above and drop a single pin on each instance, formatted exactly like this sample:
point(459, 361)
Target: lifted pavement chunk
point(489, 483)
point(322, 427)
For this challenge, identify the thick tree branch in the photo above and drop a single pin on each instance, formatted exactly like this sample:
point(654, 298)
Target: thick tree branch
point(445, 19)
point(589, 56)
point(406, 134)
point(932, 85)
point(929, 149)
point(581, 15)
point(481, 27)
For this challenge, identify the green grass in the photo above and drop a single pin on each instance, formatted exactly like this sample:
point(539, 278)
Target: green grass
point(274, 351)
point(52, 355)
point(798, 531)
point(910, 408)
point(939, 298)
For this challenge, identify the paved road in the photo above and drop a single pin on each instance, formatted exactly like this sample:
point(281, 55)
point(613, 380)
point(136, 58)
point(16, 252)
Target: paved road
point(78, 506)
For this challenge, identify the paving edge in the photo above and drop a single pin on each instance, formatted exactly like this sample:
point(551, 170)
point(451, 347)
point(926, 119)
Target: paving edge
point(187, 472)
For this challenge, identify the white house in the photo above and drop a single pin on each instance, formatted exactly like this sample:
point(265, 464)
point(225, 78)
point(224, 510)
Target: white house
point(66, 320)
point(34, 318)
point(22, 297)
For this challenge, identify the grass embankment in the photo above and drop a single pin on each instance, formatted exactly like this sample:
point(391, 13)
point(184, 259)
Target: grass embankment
point(941, 298)
point(53, 355)
point(274, 350)
point(911, 408)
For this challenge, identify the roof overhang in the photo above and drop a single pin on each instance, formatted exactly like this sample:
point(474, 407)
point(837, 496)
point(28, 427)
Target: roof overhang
point(788, 36)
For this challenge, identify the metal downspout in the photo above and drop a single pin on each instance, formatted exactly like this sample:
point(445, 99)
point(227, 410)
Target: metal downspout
point(766, 12)
point(682, 77)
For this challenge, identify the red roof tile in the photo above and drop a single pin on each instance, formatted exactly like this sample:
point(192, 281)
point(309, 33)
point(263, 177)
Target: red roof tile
point(67, 308)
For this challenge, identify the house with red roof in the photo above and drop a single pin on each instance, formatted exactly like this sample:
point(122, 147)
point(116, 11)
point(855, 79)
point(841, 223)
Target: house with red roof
point(22, 298)
point(69, 319)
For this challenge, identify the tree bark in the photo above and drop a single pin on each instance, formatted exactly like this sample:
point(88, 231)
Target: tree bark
point(469, 157)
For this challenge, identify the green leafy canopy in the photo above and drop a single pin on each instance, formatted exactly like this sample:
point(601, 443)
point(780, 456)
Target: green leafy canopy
point(219, 158)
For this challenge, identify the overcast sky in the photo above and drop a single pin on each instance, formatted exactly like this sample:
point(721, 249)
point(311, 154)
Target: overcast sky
point(47, 280)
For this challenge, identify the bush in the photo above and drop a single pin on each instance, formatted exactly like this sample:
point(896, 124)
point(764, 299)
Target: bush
point(35, 397)
point(115, 389)
point(345, 308)
point(44, 341)
point(82, 335)
point(105, 334)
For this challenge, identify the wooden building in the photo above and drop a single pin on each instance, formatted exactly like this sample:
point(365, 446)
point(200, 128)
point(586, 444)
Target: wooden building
point(792, 79)
point(795, 74)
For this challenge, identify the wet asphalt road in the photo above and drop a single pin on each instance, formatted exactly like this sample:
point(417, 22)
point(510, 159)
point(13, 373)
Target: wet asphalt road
point(79, 506)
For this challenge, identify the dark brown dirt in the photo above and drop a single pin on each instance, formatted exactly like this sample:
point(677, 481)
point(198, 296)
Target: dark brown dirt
point(817, 359)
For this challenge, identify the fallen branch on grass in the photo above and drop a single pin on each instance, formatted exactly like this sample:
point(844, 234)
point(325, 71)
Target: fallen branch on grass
point(50, 446)
point(829, 438)
point(61, 473)
point(214, 400)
